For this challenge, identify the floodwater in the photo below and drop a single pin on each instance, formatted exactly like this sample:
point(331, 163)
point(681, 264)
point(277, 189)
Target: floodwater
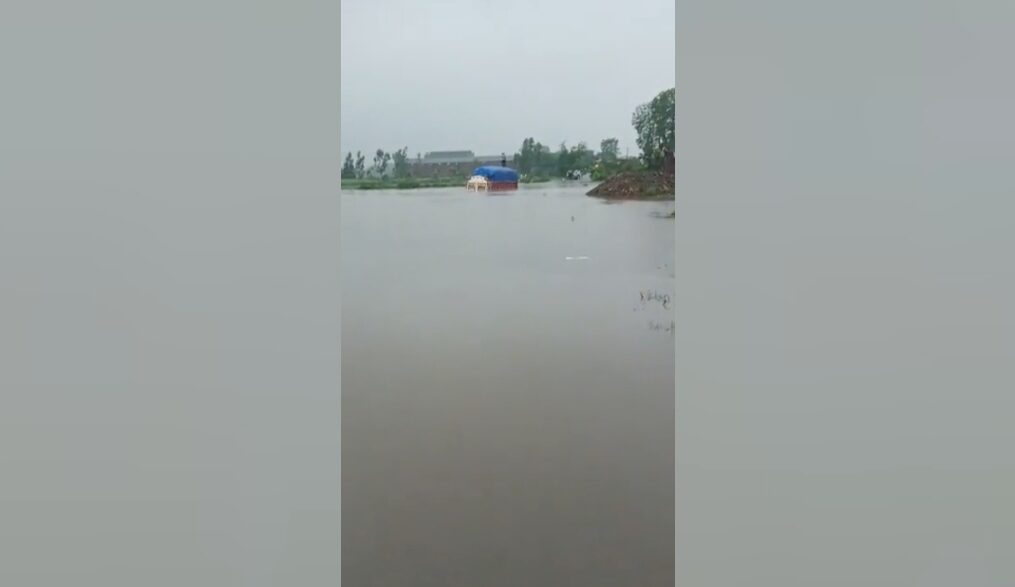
point(507, 389)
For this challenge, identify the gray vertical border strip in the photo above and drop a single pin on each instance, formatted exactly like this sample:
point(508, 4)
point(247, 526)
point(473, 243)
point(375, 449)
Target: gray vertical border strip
point(676, 264)
point(844, 294)
point(170, 409)
point(338, 163)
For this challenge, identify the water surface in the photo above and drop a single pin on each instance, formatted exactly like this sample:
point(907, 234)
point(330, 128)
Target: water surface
point(507, 380)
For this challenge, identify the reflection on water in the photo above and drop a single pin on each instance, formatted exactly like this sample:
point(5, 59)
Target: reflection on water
point(507, 418)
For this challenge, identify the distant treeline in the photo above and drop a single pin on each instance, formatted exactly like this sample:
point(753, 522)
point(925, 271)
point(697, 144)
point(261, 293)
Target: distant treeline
point(534, 162)
point(653, 121)
point(385, 165)
point(537, 160)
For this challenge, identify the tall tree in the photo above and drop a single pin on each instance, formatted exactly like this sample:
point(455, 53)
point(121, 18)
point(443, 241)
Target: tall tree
point(563, 160)
point(526, 158)
point(580, 157)
point(401, 159)
point(547, 159)
point(609, 150)
point(379, 162)
point(361, 170)
point(348, 167)
point(654, 122)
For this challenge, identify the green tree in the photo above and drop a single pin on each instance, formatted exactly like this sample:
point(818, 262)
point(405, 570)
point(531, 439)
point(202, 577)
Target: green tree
point(360, 165)
point(379, 162)
point(348, 167)
point(542, 162)
point(654, 122)
point(563, 160)
point(401, 159)
point(526, 158)
point(581, 157)
point(609, 151)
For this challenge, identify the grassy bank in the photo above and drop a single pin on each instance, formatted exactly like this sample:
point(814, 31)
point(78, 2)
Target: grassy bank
point(407, 183)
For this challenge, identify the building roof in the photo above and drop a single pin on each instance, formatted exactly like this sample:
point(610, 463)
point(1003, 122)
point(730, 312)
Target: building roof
point(444, 155)
point(459, 157)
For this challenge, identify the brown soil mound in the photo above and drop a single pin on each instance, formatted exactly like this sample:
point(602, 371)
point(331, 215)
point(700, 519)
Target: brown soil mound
point(636, 185)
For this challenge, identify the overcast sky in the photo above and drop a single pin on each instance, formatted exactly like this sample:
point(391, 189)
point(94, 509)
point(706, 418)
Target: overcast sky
point(483, 75)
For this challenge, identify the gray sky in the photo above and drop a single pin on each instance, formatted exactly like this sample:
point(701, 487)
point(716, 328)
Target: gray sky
point(483, 75)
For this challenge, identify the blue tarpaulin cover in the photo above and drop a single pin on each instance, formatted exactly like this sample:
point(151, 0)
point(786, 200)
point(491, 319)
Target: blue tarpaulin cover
point(493, 173)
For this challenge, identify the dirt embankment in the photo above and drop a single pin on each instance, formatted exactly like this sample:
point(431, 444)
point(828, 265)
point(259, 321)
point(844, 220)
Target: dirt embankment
point(636, 185)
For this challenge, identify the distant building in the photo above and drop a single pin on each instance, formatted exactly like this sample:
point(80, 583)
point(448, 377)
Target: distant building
point(451, 163)
point(492, 160)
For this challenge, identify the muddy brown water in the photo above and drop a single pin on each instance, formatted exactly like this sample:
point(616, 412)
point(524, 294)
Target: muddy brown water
point(507, 381)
